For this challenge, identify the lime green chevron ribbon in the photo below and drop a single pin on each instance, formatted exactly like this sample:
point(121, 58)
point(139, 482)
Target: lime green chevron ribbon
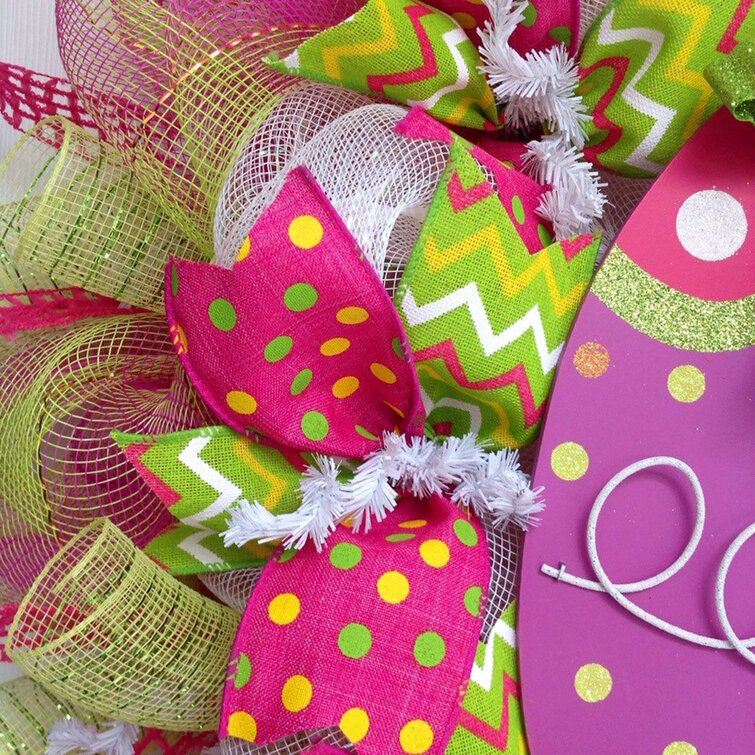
point(487, 319)
point(199, 475)
point(733, 80)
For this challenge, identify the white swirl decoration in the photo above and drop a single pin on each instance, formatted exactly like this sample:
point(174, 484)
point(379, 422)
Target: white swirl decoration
point(619, 591)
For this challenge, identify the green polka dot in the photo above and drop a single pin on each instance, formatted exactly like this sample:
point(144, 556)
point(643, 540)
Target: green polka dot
point(345, 555)
point(355, 640)
point(544, 234)
point(365, 433)
point(518, 209)
point(397, 350)
point(278, 348)
point(222, 314)
point(301, 381)
point(300, 296)
point(243, 671)
point(472, 598)
point(530, 14)
point(507, 163)
point(466, 533)
point(399, 537)
point(429, 649)
point(286, 555)
point(561, 34)
point(174, 280)
point(314, 425)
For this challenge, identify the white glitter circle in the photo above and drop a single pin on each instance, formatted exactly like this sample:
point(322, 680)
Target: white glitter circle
point(711, 225)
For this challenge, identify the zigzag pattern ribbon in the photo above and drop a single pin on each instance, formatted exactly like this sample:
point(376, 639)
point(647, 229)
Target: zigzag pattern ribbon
point(486, 318)
point(403, 50)
point(642, 75)
point(490, 720)
point(199, 475)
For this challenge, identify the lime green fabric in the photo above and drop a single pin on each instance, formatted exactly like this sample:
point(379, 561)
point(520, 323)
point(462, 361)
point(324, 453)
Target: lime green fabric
point(642, 66)
point(405, 51)
point(487, 319)
point(199, 474)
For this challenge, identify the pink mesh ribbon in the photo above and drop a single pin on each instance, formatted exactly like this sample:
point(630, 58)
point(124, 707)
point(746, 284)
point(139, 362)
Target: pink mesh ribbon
point(299, 341)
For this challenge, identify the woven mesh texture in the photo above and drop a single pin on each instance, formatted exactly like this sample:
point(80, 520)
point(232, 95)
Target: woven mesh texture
point(27, 711)
point(260, 168)
point(62, 392)
point(232, 587)
point(77, 214)
point(505, 546)
point(623, 194)
point(27, 97)
point(291, 745)
point(589, 10)
point(379, 182)
point(175, 85)
point(105, 626)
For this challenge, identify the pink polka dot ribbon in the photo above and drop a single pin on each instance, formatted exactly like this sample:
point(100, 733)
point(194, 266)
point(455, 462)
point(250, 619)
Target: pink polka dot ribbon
point(377, 637)
point(299, 341)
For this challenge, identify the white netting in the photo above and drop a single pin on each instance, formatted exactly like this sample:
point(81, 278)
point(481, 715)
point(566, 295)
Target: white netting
point(380, 183)
point(589, 10)
point(232, 587)
point(291, 745)
point(623, 194)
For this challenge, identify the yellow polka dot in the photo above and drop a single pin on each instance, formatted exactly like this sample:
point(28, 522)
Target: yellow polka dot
point(593, 682)
point(355, 723)
point(305, 231)
point(569, 461)
point(345, 386)
point(591, 359)
point(413, 524)
point(244, 250)
point(352, 315)
point(394, 408)
point(297, 693)
point(686, 383)
point(334, 346)
point(382, 373)
point(434, 553)
point(680, 748)
point(393, 587)
point(284, 608)
point(242, 725)
point(241, 402)
point(416, 737)
point(465, 20)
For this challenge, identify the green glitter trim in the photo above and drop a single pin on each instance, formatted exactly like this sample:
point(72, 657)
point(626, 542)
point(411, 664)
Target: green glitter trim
point(670, 316)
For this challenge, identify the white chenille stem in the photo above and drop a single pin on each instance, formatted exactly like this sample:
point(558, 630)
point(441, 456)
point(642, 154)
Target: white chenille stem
point(617, 591)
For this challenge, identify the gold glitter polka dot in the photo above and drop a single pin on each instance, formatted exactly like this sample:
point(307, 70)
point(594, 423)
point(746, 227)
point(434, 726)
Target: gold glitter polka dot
point(686, 383)
point(593, 682)
point(680, 748)
point(591, 359)
point(569, 461)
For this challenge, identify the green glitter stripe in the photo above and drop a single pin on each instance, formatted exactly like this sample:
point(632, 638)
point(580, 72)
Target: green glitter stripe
point(670, 316)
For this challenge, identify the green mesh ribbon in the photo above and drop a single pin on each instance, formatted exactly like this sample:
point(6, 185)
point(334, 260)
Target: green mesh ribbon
point(105, 626)
point(74, 213)
point(733, 80)
point(27, 711)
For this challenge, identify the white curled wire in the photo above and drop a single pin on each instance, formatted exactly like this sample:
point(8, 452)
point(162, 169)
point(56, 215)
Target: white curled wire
point(617, 591)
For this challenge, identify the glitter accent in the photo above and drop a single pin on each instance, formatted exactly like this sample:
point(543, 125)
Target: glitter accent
point(711, 225)
point(670, 316)
point(680, 748)
point(569, 461)
point(593, 682)
point(686, 383)
point(591, 359)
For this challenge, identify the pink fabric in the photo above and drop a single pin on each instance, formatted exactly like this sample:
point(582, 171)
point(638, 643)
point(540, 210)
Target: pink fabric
point(546, 22)
point(535, 232)
point(324, 748)
point(36, 309)
point(300, 340)
point(378, 632)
